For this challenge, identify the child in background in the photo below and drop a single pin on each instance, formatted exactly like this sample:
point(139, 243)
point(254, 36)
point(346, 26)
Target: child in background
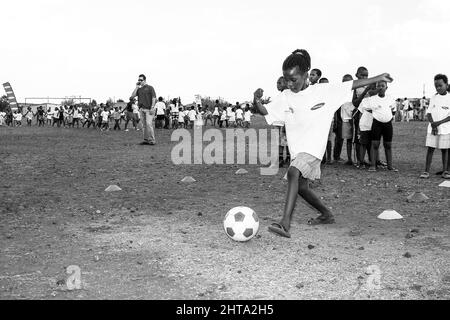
point(223, 117)
point(346, 133)
point(116, 117)
point(314, 76)
point(247, 116)
point(18, 118)
point(380, 106)
point(438, 132)
point(327, 157)
point(192, 115)
point(29, 116)
point(229, 111)
point(239, 116)
point(104, 116)
point(49, 116)
point(216, 113)
point(307, 113)
point(180, 122)
point(232, 119)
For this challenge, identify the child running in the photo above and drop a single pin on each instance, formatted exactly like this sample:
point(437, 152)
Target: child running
point(307, 112)
point(438, 133)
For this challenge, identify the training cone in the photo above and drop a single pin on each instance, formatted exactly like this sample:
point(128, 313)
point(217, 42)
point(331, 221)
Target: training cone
point(241, 171)
point(445, 184)
point(188, 179)
point(417, 197)
point(390, 215)
point(112, 188)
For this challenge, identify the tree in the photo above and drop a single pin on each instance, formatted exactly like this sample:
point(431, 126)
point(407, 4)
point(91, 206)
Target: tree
point(4, 104)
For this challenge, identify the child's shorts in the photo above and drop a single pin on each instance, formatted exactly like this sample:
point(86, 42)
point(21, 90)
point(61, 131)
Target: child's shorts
point(440, 141)
point(308, 165)
point(347, 130)
point(365, 137)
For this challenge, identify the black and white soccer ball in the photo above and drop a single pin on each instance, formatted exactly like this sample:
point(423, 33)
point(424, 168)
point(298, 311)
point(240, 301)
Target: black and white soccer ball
point(241, 224)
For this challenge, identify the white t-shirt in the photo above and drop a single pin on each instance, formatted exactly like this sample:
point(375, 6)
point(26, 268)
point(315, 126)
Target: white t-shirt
point(104, 115)
point(308, 115)
point(346, 111)
point(366, 121)
point(239, 113)
point(381, 107)
point(18, 116)
point(440, 109)
point(229, 110)
point(216, 111)
point(135, 108)
point(232, 116)
point(405, 104)
point(247, 115)
point(160, 108)
point(192, 115)
point(173, 109)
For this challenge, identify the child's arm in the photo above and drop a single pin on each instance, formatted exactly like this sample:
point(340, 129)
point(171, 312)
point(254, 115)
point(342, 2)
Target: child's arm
point(367, 82)
point(257, 102)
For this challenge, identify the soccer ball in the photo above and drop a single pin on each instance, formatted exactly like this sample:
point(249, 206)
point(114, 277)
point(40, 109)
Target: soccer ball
point(241, 224)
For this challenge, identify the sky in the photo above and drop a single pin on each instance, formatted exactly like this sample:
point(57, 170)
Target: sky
point(97, 49)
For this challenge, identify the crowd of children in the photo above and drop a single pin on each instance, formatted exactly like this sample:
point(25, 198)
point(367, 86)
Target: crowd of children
point(170, 115)
point(362, 122)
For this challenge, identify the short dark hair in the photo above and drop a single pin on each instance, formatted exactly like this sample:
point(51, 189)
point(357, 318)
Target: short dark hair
point(319, 73)
point(299, 58)
point(323, 79)
point(143, 76)
point(442, 77)
point(160, 99)
point(361, 69)
point(347, 76)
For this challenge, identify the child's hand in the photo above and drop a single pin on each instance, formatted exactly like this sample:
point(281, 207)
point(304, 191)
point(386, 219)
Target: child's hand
point(258, 93)
point(434, 125)
point(434, 131)
point(386, 77)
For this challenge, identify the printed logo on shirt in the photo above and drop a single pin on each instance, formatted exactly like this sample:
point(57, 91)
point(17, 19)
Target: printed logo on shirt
point(445, 108)
point(318, 106)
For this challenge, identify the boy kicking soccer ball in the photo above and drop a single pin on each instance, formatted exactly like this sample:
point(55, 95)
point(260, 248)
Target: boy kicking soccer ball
point(307, 113)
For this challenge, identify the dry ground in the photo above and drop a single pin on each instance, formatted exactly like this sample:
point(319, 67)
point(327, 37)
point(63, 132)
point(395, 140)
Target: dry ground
point(162, 239)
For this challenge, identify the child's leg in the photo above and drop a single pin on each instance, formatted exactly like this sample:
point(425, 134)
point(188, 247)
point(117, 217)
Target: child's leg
point(293, 176)
point(362, 155)
point(329, 150)
point(430, 152)
point(444, 159)
point(388, 153)
point(374, 150)
point(349, 150)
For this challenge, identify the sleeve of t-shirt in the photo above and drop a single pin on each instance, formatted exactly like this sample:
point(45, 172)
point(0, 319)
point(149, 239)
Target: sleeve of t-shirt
point(335, 95)
point(364, 105)
point(275, 109)
point(153, 92)
point(431, 105)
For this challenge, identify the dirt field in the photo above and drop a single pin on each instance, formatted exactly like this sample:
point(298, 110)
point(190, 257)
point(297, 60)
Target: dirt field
point(162, 239)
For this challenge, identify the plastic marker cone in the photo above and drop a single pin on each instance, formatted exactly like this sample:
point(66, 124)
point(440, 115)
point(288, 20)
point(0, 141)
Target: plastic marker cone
point(417, 197)
point(390, 215)
point(241, 171)
point(188, 179)
point(112, 188)
point(445, 184)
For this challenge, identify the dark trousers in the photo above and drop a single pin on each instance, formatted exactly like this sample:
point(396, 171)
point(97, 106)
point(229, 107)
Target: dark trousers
point(117, 125)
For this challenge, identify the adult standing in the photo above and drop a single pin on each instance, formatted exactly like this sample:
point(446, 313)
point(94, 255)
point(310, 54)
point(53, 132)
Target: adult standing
point(146, 101)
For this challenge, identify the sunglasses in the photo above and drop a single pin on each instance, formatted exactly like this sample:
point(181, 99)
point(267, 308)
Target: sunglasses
point(140, 80)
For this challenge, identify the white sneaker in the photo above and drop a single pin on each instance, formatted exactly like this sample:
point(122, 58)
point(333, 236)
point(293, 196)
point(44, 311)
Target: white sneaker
point(126, 130)
point(138, 129)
